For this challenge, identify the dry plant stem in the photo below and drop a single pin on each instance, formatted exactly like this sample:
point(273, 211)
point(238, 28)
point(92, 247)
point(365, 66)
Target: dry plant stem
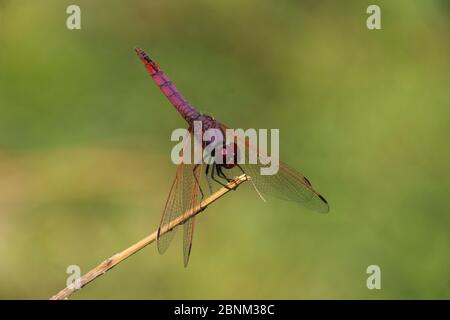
point(109, 263)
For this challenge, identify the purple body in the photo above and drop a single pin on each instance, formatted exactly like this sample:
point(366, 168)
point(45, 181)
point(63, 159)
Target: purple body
point(188, 112)
point(185, 192)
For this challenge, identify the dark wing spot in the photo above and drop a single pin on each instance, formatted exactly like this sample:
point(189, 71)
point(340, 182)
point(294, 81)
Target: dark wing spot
point(158, 235)
point(307, 181)
point(323, 199)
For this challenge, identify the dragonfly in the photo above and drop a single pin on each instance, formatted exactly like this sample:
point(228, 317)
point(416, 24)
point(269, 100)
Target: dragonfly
point(186, 190)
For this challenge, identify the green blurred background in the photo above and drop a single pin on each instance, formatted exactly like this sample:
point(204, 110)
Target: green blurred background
point(85, 151)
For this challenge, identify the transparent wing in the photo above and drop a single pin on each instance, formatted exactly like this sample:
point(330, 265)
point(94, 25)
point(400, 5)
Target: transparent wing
point(287, 183)
point(188, 228)
point(184, 194)
point(175, 206)
point(188, 232)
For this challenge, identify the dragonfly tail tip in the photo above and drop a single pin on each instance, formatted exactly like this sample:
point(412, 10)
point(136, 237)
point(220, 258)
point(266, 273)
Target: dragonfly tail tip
point(141, 53)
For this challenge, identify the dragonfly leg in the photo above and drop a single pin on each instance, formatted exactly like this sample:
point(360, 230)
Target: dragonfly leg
point(222, 174)
point(214, 178)
point(208, 179)
point(198, 182)
point(220, 170)
point(240, 168)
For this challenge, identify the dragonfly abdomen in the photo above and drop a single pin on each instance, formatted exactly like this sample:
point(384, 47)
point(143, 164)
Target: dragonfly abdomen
point(188, 112)
point(178, 101)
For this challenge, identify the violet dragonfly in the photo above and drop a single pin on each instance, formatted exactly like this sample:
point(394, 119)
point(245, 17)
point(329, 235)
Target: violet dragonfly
point(186, 190)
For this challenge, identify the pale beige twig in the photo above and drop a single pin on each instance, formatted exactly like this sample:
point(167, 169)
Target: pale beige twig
point(109, 263)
